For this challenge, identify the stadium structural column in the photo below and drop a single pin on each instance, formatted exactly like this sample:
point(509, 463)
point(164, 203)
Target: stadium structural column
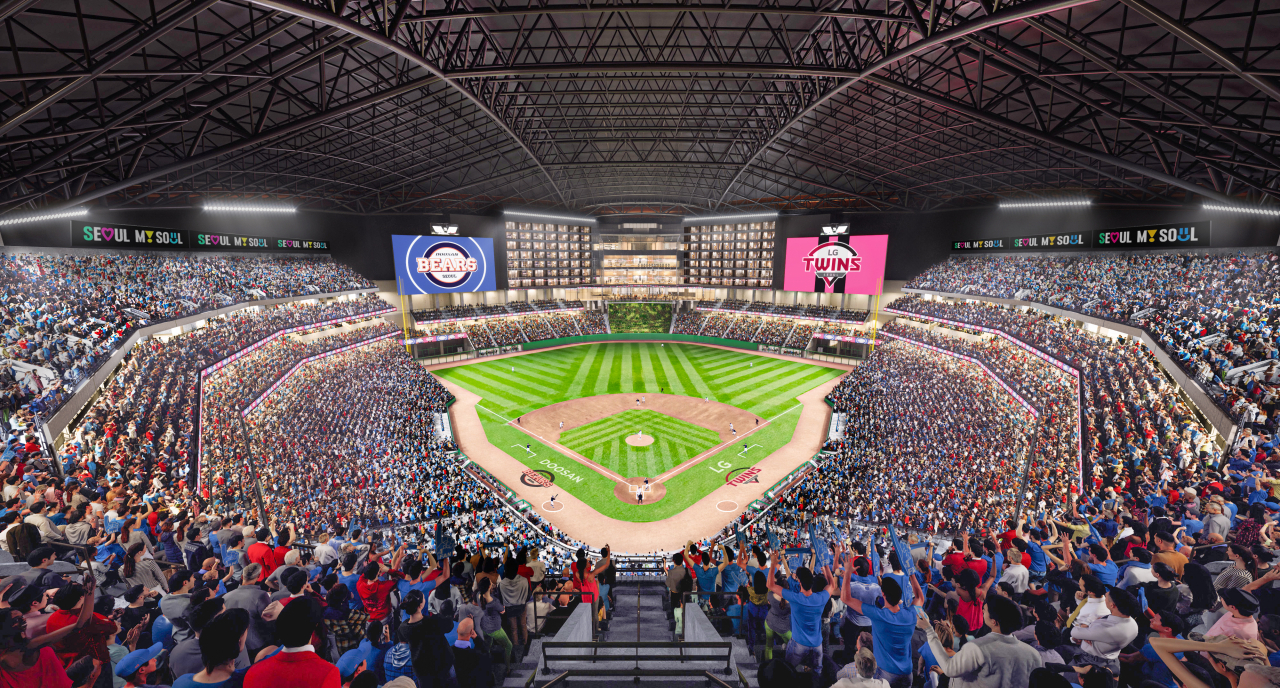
point(404, 316)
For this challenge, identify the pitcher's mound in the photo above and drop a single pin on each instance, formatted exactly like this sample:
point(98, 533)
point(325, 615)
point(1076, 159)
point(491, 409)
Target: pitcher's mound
point(627, 491)
point(639, 440)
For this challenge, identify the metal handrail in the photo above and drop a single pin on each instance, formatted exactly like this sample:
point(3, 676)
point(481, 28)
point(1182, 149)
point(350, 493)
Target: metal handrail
point(637, 657)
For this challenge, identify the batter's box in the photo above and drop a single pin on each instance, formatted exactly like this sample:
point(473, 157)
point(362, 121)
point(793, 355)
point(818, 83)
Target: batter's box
point(743, 453)
point(531, 452)
point(636, 489)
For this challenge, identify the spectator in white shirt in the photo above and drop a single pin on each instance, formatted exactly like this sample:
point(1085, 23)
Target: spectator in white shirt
point(1093, 601)
point(325, 552)
point(1101, 641)
point(1015, 574)
point(1138, 571)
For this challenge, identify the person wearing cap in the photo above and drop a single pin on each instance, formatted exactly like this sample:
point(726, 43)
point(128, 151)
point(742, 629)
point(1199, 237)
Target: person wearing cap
point(138, 665)
point(1239, 622)
point(1101, 641)
point(297, 663)
point(351, 663)
point(1167, 553)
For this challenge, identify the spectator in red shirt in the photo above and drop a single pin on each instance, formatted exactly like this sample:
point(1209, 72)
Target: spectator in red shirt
point(374, 587)
point(34, 663)
point(286, 541)
point(954, 558)
point(90, 638)
point(261, 553)
point(297, 664)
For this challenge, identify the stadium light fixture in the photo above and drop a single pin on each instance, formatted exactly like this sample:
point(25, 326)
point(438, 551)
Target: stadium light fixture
point(248, 207)
point(1069, 203)
point(541, 216)
point(1242, 209)
point(708, 219)
point(77, 212)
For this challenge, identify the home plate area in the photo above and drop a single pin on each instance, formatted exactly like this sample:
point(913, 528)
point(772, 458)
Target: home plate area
point(626, 491)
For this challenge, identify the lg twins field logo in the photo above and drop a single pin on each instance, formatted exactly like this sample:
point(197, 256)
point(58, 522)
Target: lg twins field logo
point(832, 261)
point(447, 265)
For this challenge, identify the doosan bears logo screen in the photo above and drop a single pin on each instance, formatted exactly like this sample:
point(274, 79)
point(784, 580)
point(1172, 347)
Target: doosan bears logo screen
point(439, 265)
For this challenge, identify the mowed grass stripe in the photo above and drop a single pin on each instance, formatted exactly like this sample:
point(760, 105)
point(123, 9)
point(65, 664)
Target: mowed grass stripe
point(490, 393)
point(647, 370)
point(626, 381)
point(790, 377)
point(690, 374)
point(580, 373)
point(748, 378)
point(676, 382)
point(504, 379)
point(606, 372)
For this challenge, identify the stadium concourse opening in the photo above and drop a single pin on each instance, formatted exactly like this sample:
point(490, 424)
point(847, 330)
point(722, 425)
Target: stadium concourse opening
point(529, 344)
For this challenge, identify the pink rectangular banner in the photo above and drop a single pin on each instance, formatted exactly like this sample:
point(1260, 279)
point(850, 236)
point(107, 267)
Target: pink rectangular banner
point(836, 265)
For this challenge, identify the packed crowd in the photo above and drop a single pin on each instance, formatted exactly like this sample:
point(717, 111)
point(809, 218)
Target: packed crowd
point(368, 416)
point(689, 322)
point(929, 441)
point(1133, 416)
point(143, 423)
point(1211, 312)
point(800, 336)
point(66, 314)
point(562, 325)
point(717, 324)
point(744, 329)
point(592, 322)
point(535, 327)
point(504, 332)
point(228, 391)
point(479, 335)
point(774, 331)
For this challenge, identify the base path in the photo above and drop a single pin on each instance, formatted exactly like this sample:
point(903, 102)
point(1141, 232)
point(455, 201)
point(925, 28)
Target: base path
point(574, 413)
point(701, 520)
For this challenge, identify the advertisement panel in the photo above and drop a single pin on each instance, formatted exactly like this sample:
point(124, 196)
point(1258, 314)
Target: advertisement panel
point(443, 265)
point(1181, 235)
point(90, 235)
point(835, 265)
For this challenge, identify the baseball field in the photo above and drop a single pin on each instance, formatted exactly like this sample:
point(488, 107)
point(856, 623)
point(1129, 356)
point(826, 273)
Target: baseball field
point(596, 420)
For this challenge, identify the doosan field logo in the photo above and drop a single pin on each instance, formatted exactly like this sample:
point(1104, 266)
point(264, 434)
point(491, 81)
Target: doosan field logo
point(832, 261)
point(447, 265)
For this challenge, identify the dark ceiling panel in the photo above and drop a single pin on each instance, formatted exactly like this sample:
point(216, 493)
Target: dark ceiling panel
point(393, 106)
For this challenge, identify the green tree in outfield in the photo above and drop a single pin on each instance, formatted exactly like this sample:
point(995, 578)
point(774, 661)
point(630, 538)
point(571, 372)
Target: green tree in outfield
point(639, 317)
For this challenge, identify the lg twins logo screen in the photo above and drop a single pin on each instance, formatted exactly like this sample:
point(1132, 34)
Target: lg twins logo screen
point(836, 265)
point(433, 265)
point(832, 261)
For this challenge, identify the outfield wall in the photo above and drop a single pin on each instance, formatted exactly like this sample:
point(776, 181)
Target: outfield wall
point(640, 336)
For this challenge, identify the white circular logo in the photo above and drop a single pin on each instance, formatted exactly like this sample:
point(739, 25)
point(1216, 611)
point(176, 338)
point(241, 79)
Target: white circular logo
point(447, 265)
point(832, 261)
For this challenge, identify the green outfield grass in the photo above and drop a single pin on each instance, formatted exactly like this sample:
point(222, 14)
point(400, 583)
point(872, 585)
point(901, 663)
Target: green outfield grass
point(765, 386)
point(674, 442)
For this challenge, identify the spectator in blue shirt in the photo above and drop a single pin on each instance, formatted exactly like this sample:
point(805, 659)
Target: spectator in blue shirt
point(807, 606)
point(891, 628)
point(1101, 565)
